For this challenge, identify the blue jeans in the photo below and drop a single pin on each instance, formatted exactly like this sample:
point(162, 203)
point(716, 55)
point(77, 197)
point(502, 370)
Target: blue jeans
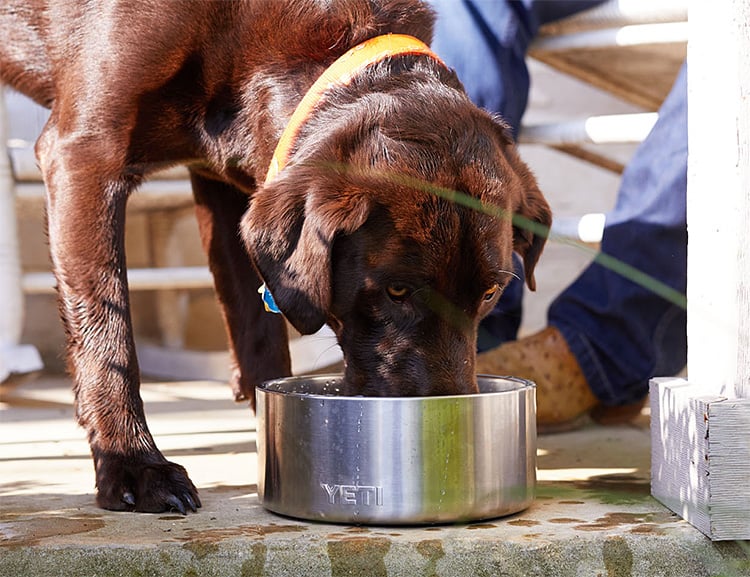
point(621, 332)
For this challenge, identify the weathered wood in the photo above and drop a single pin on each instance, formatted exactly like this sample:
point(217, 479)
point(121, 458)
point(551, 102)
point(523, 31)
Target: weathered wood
point(700, 427)
point(700, 456)
point(719, 196)
point(742, 23)
point(600, 53)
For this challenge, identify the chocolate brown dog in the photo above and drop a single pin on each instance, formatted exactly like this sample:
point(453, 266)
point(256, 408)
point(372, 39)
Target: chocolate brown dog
point(367, 226)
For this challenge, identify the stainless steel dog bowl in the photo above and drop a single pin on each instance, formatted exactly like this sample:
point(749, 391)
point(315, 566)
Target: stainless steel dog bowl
point(395, 461)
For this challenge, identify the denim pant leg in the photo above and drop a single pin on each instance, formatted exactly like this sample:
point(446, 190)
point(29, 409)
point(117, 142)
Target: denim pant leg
point(622, 332)
point(485, 41)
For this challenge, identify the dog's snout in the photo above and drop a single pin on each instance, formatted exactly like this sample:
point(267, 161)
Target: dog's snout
point(454, 377)
point(433, 367)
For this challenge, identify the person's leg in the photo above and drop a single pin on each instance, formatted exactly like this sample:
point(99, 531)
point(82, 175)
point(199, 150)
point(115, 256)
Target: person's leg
point(621, 332)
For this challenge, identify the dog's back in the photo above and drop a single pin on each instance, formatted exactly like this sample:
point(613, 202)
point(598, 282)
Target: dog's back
point(24, 63)
point(42, 38)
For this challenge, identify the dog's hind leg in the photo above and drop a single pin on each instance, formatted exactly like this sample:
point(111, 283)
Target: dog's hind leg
point(83, 166)
point(258, 339)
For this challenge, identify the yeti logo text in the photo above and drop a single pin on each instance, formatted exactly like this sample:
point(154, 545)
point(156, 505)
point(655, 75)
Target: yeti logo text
point(353, 494)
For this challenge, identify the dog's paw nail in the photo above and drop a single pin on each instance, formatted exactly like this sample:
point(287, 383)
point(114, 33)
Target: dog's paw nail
point(176, 504)
point(128, 498)
point(192, 504)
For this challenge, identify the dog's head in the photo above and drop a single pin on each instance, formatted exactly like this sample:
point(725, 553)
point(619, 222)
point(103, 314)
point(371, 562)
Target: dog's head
point(399, 234)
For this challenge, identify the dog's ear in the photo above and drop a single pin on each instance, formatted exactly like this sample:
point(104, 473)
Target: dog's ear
point(532, 216)
point(289, 231)
point(532, 219)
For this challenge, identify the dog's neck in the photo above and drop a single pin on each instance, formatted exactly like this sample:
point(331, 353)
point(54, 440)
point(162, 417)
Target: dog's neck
point(340, 73)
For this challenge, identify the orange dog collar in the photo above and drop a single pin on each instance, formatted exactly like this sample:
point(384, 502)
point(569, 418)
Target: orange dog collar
point(340, 73)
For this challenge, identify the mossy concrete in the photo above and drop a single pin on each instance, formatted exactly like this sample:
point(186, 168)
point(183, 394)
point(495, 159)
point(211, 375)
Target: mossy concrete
point(593, 515)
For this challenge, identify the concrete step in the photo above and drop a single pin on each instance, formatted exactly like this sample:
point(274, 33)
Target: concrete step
point(593, 515)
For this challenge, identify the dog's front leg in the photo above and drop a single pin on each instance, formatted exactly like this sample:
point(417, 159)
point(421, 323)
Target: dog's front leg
point(257, 339)
point(87, 193)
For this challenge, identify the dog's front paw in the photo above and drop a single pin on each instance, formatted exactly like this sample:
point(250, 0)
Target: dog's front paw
point(144, 486)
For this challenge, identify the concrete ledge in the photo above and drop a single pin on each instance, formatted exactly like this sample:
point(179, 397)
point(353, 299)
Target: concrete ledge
point(593, 515)
point(232, 535)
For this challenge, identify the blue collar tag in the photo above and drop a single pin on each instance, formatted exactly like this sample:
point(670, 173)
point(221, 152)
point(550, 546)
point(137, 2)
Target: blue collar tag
point(268, 301)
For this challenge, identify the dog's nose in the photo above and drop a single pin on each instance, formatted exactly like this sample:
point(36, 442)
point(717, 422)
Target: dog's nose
point(454, 378)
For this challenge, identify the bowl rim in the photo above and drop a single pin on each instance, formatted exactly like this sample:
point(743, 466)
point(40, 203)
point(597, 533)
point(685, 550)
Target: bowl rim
point(522, 386)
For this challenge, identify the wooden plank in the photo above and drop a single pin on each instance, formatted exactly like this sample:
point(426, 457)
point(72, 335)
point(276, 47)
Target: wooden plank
point(156, 278)
point(618, 13)
point(728, 424)
point(719, 196)
point(700, 429)
point(742, 22)
point(678, 449)
point(591, 157)
point(700, 456)
point(641, 75)
point(642, 72)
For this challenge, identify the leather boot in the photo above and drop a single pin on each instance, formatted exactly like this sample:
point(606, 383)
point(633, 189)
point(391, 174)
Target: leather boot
point(563, 397)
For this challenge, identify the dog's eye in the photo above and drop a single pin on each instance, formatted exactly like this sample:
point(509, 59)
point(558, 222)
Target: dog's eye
point(397, 292)
point(490, 293)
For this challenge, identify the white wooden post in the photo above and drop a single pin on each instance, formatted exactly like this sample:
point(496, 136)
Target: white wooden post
point(700, 427)
point(14, 358)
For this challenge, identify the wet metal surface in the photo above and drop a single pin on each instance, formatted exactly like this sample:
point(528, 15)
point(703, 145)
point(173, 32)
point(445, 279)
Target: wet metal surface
point(406, 461)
